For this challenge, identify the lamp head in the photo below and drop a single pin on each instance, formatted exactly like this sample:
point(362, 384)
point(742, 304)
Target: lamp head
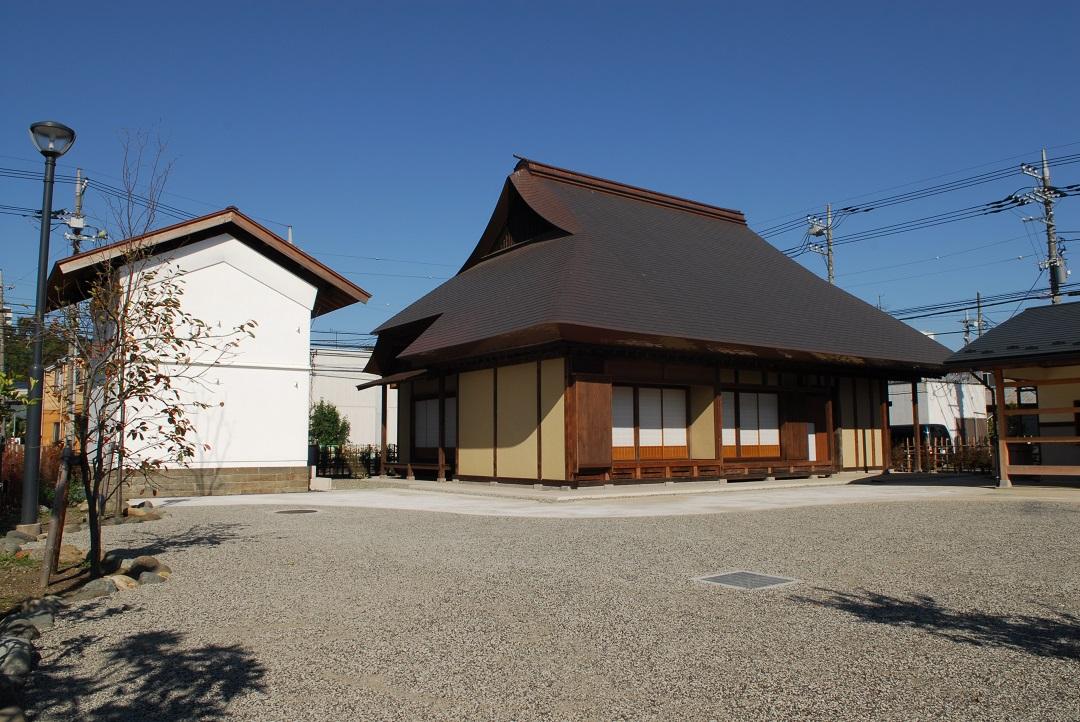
point(51, 138)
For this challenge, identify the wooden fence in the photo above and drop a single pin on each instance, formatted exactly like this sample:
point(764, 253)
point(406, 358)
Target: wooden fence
point(974, 457)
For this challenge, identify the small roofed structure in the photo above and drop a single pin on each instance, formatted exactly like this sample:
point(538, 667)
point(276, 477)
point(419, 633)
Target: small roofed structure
point(601, 332)
point(1036, 353)
point(255, 428)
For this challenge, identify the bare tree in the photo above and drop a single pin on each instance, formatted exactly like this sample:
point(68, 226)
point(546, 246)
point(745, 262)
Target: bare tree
point(142, 357)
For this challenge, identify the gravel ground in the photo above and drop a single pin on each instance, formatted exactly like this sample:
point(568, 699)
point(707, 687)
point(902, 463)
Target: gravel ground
point(966, 609)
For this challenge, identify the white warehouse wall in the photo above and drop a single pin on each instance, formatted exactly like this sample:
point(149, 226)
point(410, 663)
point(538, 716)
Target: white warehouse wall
point(335, 374)
point(259, 392)
point(940, 402)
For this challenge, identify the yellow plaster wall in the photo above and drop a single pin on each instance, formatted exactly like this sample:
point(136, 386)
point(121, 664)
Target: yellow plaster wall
point(552, 419)
point(476, 422)
point(847, 425)
point(404, 421)
point(517, 435)
point(702, 423)
point(861, 434)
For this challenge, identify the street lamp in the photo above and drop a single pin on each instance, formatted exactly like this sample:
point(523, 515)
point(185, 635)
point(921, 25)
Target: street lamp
point(52, 140)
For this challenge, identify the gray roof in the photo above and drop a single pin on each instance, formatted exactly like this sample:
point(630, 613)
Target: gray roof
point(1037, 333)
point(622, 259)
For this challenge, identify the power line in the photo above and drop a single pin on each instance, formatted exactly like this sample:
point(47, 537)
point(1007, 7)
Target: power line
point(934, 258)
point(939, 188)
point(1013, 259)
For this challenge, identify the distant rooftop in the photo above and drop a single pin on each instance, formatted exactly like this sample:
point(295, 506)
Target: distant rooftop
point(1042, 333)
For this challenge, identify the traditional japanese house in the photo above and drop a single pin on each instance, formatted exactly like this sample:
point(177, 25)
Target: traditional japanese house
point(1035, 355)
point(601, 332)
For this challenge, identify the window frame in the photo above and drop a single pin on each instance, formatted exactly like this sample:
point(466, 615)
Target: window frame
point(636, 387)
point(431, 450)
point(737, 390)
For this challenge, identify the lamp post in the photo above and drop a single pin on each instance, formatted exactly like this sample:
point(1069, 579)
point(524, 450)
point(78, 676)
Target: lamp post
point(52, 140)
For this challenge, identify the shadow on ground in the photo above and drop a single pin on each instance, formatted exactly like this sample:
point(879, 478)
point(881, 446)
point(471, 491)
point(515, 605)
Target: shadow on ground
point(942, 479)
point(200, 535)
point(151, 675)
point(1055, 635)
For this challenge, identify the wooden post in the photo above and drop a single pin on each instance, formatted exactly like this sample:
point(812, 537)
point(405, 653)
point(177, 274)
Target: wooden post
point(382, 444)
point(1002, 429)
point(442, 429)
point(916, 428)
point(886, 434)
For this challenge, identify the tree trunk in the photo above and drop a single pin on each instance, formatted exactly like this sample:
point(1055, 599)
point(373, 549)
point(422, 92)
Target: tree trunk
point(56, 521)
point(93, 518)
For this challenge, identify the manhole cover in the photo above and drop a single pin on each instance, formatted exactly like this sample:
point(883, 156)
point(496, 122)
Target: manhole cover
point(747, 580)
point(296, 511)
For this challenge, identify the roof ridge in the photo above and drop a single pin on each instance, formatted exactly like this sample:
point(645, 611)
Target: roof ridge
point(626, 190)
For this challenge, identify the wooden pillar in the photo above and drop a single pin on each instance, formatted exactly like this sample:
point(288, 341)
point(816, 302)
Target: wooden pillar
point(718, 421)
point(1002, 429)
point(886, 434)
point(382, 431)
point(442, 429)
point(916, 427)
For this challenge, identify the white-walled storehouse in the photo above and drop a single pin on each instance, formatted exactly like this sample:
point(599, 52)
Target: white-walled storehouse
point(235, 271)
point(335, 373)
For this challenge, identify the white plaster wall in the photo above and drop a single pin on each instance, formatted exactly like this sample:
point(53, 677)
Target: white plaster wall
point(259, 393)
point(335, 374)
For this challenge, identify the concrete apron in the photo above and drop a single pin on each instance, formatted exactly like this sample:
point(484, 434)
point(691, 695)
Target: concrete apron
point(748, 498)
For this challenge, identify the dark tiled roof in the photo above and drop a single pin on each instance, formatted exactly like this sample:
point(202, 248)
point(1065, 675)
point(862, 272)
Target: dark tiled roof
point(630, 261)
point(1038, 332)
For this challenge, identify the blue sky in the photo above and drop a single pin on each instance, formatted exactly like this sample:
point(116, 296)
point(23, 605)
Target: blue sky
point(385, 130)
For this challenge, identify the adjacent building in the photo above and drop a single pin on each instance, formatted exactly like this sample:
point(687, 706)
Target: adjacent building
point(253, 435)
point(335, 371)
point(1037, 354)
point(957, 402)
point(601, 332)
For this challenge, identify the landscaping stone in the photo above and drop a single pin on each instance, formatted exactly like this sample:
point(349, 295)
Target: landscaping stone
point(164, 571)
point(16, 659)
point(151, 578)
point(10, 546)
point(83, 507)
point(42, 621)
point(123, 582)
point(12, 714)
point(142, 564)
point(21, 536)
point(21, 628)
point(97, 588)
point(113, 561)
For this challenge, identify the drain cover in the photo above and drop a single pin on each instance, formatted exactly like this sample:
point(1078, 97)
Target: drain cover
point(747, 580)
point(296, 511)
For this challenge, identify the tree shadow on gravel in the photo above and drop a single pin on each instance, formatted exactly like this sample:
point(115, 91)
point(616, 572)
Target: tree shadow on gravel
point(199, 535)
point(1056, 635)
point(151, 675)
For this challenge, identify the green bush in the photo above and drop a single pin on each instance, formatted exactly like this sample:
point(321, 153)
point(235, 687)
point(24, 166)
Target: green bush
point(325, 425)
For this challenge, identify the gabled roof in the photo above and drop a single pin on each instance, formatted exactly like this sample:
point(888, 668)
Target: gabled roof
point(567, 256)
point(1039, 334)
point(71, 276)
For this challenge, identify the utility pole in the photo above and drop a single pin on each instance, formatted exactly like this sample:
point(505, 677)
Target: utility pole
point(1047, 194)
point(824, 228)
point(3, 327)
point(77, 223)
point(978, 314)
point(967, 323)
